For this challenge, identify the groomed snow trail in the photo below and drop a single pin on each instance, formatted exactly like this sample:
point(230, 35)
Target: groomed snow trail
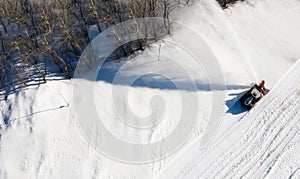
point(260, 143)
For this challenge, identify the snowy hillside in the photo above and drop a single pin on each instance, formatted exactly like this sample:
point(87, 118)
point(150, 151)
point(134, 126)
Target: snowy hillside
point(264, 142)
point(42, 134)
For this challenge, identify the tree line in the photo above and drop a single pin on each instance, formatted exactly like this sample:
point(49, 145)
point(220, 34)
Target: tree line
point(225, 3)
point(39, 38)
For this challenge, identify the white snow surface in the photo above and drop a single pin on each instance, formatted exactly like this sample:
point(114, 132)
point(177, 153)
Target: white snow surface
point(258, 39)
point(264, 143)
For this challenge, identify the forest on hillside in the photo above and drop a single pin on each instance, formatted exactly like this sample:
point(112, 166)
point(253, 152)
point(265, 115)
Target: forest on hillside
point(40, 38)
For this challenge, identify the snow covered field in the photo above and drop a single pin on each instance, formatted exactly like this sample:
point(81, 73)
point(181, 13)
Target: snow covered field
point(41, 136)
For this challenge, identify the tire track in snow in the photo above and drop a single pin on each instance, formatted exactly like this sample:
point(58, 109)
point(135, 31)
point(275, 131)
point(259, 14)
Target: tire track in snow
point(288, 128)
point(266, 170)
point(260, 134)
point(252, 133)
point(270, 134)
point(258, 141)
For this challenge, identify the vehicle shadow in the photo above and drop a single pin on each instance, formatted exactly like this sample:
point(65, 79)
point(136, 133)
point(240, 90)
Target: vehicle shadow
point(234, 105)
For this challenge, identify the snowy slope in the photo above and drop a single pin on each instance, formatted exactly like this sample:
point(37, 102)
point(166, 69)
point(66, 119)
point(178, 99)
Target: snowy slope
point(264, 143)
point(41, 138)
point(252, 40)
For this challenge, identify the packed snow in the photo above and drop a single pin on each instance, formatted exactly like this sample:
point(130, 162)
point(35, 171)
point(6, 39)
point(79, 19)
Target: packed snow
point(40, 136)
point(264, 142)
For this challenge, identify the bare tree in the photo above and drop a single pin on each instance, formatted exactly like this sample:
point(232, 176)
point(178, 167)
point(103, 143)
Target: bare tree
point(37, 37)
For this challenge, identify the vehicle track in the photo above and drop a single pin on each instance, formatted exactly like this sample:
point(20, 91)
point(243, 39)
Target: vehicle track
point(251, 146)
point(258, 141)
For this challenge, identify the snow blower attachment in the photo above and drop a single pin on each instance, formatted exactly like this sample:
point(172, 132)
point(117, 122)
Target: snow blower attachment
point(252, 96)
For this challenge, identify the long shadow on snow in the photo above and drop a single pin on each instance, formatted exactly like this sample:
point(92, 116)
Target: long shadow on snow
point(109, 71)
point(38, 112)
